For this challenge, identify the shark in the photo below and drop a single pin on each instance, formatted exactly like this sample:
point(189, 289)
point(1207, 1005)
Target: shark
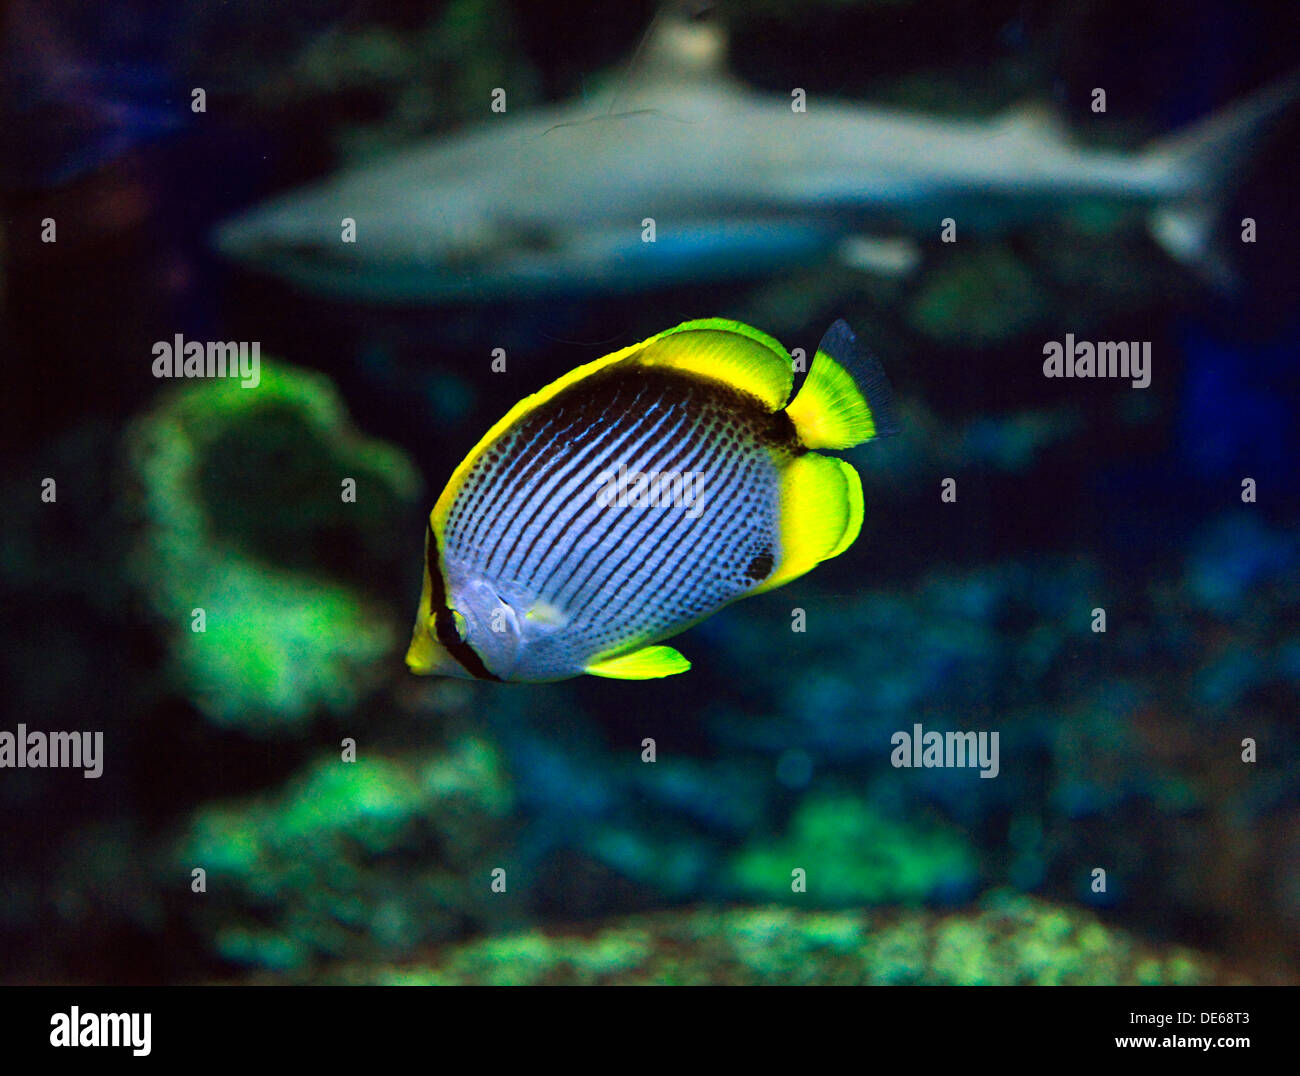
point(680, 173)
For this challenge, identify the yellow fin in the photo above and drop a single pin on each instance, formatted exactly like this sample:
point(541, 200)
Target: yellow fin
point(425, 656)
point(648, 663)
point(845, 399)
point(821, 515)
point(726, 351)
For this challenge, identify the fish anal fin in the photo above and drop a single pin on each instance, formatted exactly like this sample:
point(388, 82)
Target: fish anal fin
point(725, 351)
point(821, 515)
point(648, 663)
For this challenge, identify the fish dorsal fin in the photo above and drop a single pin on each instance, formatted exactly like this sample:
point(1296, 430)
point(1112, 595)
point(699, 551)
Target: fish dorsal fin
point(648, 663)
point(726, 351)
point(1031, 120)
point(686, 41)
point(821, 515)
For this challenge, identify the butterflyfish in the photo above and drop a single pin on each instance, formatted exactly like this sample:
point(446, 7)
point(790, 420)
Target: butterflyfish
point(639, 494)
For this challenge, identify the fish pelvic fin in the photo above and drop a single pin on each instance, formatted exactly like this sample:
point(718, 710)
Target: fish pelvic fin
point(846, 398)
point(821, 515)
point(648, 663)
point(1211, 155)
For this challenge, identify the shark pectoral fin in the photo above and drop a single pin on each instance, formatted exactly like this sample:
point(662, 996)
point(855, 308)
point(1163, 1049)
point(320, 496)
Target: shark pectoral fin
point(648, 663)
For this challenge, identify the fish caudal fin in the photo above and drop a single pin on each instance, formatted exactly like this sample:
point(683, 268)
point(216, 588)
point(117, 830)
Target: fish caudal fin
point(1209, 156)
point(821, 515)
point(846, 398)
point(648, 663)
point(844, 401)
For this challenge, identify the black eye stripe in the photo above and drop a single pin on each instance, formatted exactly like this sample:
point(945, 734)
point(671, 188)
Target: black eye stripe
point(444, 621)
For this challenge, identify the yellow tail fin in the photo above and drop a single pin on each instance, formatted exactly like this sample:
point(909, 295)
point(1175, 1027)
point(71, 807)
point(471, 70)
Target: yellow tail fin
point(846, 398)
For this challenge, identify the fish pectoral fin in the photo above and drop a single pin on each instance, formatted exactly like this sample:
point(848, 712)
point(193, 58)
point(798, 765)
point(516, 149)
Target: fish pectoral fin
point(648, 663)
point(544, 613)
point(821, 515)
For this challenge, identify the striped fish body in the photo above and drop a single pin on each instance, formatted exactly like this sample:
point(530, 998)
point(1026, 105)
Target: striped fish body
point(637, 495)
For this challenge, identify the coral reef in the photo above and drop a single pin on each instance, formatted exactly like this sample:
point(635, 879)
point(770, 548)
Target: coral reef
point(1010, 940)
point(350, 859)
point(853, 854)
point(245, 517)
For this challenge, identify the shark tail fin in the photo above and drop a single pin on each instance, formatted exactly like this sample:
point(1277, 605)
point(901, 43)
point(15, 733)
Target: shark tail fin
point(1208, 157)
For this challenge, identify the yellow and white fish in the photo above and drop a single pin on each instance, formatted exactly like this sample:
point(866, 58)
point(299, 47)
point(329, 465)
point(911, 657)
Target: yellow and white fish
point(639, 494)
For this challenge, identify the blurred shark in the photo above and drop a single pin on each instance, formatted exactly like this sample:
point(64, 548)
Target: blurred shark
point(682, 174)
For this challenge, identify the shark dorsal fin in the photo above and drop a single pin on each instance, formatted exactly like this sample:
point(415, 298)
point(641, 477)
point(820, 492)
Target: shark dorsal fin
point(686, 42)
point(687, 39)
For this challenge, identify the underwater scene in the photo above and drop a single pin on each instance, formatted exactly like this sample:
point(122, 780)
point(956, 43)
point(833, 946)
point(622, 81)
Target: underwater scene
point(743, 493)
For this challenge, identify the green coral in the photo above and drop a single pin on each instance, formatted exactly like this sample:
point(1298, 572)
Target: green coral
point(352, 858)
point(853, 854)
point(1010, 939)
point(241, 500)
